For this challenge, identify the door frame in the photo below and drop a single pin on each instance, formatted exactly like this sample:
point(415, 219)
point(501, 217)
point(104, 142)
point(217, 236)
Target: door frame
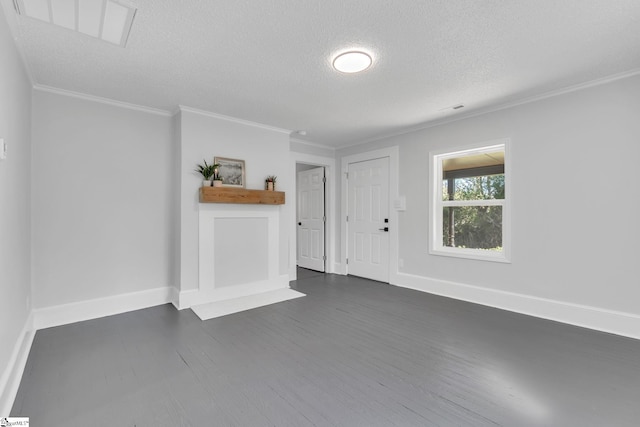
point(330, 193)
point(393, 153)
point(324, 214)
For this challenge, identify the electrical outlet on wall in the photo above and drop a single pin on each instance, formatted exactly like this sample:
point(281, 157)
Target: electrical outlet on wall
point(3, 149)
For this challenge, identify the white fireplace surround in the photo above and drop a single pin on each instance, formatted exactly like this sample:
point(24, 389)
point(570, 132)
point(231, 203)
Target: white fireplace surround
point(238, 251)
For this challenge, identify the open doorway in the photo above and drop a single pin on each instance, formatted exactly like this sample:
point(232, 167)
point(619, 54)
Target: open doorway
point(311, 217)
point(306, 161)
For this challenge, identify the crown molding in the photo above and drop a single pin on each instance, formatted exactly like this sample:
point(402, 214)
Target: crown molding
point(183, 108)
point(101, 100)
point(492, 109)
point(312, 144)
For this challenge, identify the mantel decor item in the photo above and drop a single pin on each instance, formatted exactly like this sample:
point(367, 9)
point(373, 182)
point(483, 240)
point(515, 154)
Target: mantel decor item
point(207, 171)
point(270, 182)
point(232, 172)
point(217, 179)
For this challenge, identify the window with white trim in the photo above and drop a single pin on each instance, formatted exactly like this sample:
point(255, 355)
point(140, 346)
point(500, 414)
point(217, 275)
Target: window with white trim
point(470, 213)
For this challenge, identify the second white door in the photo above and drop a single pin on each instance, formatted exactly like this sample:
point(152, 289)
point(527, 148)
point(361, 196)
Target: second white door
point(368, 216)
point(311, 219)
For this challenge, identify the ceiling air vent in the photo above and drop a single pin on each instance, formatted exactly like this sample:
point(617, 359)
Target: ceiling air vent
point(103, 19)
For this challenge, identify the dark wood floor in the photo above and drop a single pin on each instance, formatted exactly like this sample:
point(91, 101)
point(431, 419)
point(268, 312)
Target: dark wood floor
point(352, 353)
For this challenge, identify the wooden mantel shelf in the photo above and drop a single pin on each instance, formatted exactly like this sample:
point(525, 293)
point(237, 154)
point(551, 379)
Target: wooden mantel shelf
point(241, 196)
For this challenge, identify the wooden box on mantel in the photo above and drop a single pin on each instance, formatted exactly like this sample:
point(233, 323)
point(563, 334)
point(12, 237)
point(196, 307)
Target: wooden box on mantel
point(241, 196)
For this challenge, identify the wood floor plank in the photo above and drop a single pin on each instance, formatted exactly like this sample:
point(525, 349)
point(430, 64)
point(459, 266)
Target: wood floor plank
point(353, 352)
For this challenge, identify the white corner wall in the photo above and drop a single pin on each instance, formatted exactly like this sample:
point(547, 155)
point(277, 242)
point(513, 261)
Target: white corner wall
point(265, 152)
point(15, 211)
point(103, 220)
point(575, 208)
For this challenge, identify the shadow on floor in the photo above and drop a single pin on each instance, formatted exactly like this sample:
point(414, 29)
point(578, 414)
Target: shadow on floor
point(305, 273)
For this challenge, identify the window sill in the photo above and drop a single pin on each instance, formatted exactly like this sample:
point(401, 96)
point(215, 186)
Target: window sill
point(478, 255)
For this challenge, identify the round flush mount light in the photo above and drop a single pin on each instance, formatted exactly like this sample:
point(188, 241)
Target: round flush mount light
point(352, 62)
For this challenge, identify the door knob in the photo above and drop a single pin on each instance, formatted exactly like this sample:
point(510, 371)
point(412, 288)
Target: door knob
point(299, 223)
point(386, 229)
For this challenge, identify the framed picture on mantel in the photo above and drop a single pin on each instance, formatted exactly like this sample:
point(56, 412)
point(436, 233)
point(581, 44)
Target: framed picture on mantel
point(232, 172)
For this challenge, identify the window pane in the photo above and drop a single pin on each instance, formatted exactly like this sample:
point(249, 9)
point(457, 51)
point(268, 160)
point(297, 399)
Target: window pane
point(445, 190)
point(473, 227)
point(483, 187)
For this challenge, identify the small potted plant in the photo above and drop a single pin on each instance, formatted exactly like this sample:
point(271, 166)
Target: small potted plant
point(207, 171)
point(217, 179)
point(270, 182)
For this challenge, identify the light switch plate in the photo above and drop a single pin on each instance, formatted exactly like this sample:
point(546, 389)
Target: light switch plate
point(3, 149)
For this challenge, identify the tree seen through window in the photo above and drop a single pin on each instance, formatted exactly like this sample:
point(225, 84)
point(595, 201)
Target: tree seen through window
point(478, 227)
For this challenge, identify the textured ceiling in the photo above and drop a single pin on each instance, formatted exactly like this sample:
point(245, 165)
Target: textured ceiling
point(269, 61)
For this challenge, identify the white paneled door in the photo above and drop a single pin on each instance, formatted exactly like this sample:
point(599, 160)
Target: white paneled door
point(311, 219)
point(368, 216)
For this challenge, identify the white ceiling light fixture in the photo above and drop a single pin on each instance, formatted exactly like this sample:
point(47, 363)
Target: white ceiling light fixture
point(106, 20)
point(353, 61)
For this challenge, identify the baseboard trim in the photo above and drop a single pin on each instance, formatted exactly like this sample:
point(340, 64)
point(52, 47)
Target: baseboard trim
point(11, 377)
point(100, 307)
point(175, 297)
point(610, 321)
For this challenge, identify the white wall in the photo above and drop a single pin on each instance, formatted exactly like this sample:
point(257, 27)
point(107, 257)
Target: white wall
point(265, 152)
point(302, 147)
point(574, 197)
point(102, 200)
point(15, 204)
